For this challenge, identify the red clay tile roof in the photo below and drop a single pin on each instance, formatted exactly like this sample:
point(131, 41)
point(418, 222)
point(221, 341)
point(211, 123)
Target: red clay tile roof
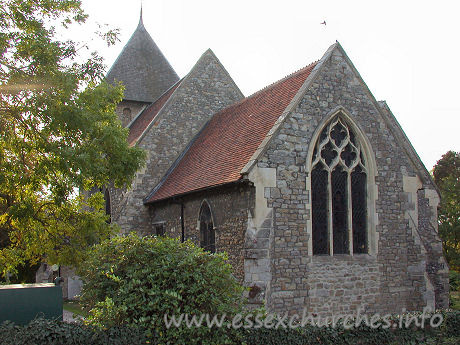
point(146, 117)
point(230, 139)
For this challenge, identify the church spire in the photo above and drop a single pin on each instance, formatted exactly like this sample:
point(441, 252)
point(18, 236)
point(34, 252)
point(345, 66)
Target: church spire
point(142, 68)
point(141, 22)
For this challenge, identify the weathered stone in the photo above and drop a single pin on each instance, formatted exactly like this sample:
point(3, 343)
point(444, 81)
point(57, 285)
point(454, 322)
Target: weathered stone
point(268, 238)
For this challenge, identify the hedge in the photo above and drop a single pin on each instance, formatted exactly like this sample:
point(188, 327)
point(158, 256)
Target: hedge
point(447, 333)
point(49, 332)
point(44, 332)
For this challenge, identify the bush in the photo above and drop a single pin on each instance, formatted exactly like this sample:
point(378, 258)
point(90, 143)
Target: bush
point(47, 332)
point(454, 280)
point(451, 325)
point(136, 281)
point(448, 333)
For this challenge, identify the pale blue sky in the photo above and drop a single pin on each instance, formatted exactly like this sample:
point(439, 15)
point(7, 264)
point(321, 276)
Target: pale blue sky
point(406, 51)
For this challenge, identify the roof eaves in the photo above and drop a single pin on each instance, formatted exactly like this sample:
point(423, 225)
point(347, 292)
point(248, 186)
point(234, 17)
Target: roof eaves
point(240, 180)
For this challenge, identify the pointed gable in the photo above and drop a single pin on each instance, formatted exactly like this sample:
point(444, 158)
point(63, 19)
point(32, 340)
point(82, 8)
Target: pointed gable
point(184, 102)
point(142, 68)
point(226, 144)
point(145, 118)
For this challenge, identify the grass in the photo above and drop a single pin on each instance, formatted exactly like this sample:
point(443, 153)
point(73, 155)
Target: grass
point(74, 307)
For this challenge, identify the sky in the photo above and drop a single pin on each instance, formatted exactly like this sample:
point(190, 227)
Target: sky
point(407, 52)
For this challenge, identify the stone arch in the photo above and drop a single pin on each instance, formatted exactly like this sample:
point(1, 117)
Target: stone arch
point(371, 171)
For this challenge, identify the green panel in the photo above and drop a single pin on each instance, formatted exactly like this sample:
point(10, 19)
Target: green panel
point(23, 303)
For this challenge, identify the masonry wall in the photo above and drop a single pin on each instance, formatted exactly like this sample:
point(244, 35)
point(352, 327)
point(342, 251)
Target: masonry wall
point(204, 91)
point(229, 208)
point(128, 110)
point(436, 265)
point(394, 275)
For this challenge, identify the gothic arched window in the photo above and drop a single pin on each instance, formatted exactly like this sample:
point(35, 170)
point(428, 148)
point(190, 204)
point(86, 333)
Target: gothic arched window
point(207, 233)
point(339, 192)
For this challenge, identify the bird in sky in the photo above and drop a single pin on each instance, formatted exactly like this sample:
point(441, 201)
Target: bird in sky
point(323, 23)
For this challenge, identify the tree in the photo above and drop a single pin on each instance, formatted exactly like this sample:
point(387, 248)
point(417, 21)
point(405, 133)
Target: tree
point(446, 175)
point(59, 135)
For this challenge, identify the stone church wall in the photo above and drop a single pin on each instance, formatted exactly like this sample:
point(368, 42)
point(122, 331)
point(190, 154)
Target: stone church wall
point(128, 110)
point(229, 207)
point(266, 227)
point(204, 91)
point(392, 276)
point(436, 266)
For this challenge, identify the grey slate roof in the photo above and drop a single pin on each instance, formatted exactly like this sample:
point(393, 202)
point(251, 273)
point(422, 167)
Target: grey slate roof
point(142, 68)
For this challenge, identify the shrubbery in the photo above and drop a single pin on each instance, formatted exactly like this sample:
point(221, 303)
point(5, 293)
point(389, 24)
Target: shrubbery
point(48, 332)
point(130, 283)
point(44, 332)
point(136, 281)
point(454, 280)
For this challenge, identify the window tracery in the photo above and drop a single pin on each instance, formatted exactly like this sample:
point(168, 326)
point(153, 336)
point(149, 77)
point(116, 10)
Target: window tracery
point(339, 193)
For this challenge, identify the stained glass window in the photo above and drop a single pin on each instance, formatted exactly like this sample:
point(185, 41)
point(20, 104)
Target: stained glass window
point(319, 179)
point(339, 193)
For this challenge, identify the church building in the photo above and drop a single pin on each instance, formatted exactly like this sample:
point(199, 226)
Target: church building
point(310, 184)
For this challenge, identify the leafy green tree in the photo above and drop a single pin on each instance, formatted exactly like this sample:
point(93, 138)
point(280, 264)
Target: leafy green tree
point(59, 135)
point(134, 281)
point(446, 175)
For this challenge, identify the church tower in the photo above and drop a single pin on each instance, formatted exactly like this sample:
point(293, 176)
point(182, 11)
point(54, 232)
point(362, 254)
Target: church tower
point(143, 70)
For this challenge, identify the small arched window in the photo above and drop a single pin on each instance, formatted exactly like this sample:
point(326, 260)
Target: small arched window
point(127, 113)
point(207, 233)
point(339, 192)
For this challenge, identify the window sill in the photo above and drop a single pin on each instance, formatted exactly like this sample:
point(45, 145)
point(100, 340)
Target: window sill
point(343, 257)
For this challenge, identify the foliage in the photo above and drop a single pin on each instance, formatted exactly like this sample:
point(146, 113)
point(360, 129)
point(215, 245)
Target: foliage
point(48, 332)
point(454, 300)
point(446, 175)
point(59, 134)
point(44, 332)
point(451, 325)
point(447, 333)
point(454, 281)
point(136, 281)
point(25, 273)
point(454, 293)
